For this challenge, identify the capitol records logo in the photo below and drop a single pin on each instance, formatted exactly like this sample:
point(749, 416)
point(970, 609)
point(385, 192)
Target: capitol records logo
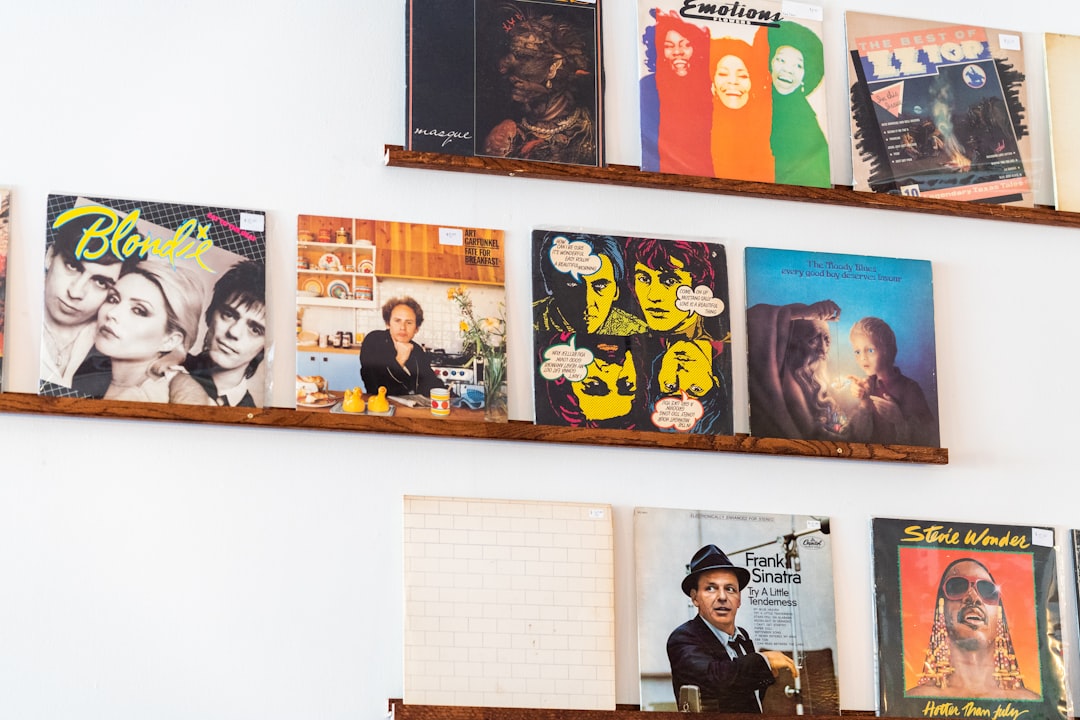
point(733, 12)
point(812, 541)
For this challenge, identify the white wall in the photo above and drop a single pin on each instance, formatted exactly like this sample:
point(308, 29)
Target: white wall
point(159, 570)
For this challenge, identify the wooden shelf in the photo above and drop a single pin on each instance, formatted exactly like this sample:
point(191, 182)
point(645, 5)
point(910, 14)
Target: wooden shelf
point(511, 431)
point(401, 711)
point(396, 156)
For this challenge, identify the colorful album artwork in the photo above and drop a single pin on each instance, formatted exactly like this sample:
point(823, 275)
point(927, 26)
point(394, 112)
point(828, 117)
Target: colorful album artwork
point(967, 620)
point(400, 318)
point(5, 236)
point(631, 333)
point(841, 347)
point(937, 110)
point(154, 302)
point(733, 91)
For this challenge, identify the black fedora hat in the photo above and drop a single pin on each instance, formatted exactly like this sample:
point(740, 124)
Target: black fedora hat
point(708, 558)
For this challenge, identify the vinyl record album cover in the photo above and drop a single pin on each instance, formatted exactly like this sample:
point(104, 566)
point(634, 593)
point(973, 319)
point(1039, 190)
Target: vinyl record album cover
point(938, 110)
point(1062, 56)
point(509, 604)
point(402, 318)
point(724, 598)
point(841, 347)
point(733, 90)
point(154, 302)
point(967, 620)
point(506, 78)
point(5, 236)
point(631, 333)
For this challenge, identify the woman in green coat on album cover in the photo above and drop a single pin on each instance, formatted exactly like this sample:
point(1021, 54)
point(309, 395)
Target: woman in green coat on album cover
point(798, 144)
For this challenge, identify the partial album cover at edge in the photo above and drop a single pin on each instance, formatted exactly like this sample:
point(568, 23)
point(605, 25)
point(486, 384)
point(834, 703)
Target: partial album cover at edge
point(5, 236)
point(967, 620)
point(506, 78)
point(710, 580)
point(154, 302)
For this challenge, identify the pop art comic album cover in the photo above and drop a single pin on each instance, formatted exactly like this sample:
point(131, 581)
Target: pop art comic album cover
point(784, 604)
point(506, 78)
point(400, 318)
point(937, 110)
point(733, 90)
point(631, 333)
point(154, 302)
point(841, 347)
point(967, 620)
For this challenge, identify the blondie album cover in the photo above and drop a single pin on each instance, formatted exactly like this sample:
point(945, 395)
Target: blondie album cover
point(631, 333)
point(841, 347)
point(506, 78)
point(967, 620)
point(733, 90)
point(509, 603)
point(724, 598)
point(154, 302)
point(400, 318)
point(5, 236)
point(1062, 56)
point(938, 110)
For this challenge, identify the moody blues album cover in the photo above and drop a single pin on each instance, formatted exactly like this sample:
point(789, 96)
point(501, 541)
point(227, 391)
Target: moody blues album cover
point(154, 302)
point(967, 620)
point(506, 78)
point(937, 110)
point(841, 347)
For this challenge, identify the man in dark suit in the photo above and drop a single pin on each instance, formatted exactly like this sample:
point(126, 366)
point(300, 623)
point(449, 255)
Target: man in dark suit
point(710, 651)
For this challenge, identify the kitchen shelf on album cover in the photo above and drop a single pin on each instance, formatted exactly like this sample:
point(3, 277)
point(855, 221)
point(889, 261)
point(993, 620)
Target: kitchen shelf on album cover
point(515, 430)
point(627, 175)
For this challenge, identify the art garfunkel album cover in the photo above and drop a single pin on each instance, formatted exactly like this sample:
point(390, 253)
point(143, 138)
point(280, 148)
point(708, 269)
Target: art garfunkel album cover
point(631, 333)
point(733, 90)
point(154, 302)
point(841, 347)
point(506, 78)
point(726, 598)
point(967, 620)
point(937, 110)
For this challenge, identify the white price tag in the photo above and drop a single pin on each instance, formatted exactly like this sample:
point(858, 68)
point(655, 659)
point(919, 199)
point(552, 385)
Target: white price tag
point(1008, 42)
point(451, 236)
point(597, 513)
point(255, 222)
point(801, 11)
point(1043, 537)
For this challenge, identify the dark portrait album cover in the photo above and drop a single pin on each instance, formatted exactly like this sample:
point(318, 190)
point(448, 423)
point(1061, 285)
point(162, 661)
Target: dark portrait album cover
point(967, 620)
point(733, 90)
point(5, 235)
point(841, 347)
point(781, 602)
point(938, 110)
point(506, 78)
point(631, 333)
point(398, 317)
point(154, 302)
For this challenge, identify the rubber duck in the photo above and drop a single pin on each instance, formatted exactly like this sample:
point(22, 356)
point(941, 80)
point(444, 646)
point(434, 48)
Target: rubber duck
point(379, 403)
point(354, 401)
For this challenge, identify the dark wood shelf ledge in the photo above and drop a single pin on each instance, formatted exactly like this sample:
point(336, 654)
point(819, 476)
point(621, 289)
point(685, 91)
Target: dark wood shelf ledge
point(401, 711)
point(628, 175)
point(512, 431)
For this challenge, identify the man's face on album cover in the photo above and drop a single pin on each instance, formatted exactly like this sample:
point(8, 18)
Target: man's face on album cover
point(717, 598)
point(971, 612)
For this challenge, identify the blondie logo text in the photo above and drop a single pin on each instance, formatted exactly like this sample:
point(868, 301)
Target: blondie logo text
point(110, 233)
point(734, 12)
